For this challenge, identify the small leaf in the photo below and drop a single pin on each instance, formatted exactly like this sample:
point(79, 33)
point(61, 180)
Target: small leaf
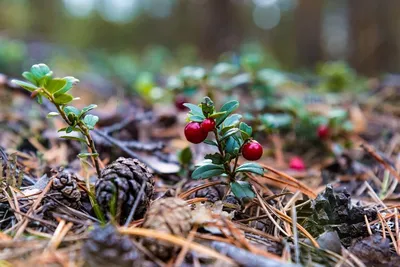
point(69, 129)
point(70, 82)
point(39, 99)
point(185, 156)
point(217, 115)
point(90, 121)
point(210, 142)
point(52, 114)
point(232, 145)
point(208, 170)
point(29, 76)
point(195, 110)
point(196, 118)
point(70, 137)
point(85, 155)
point(63, 99)
point(74, 129)
point(216, 158)
point(229, 133)
point(242, 190)
point(232, 120)
point(88, 108)
point(228, 107)
point(246, 130)
point(55, 85)
point(250, 167)
point(28, 86)
point(73, 110)
point(40, 70)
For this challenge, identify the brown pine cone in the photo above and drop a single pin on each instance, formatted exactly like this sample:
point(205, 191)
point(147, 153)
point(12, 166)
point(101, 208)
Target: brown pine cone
point(213, 193)
point(106, 247)
point(121, 182)
point(169, 215)
point(65, 189)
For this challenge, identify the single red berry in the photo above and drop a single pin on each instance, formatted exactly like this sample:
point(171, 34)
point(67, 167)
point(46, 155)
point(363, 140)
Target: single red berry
point(208, 125)
point(323, 131)
point(252, 150)
point(194, 133)
point(179, 101)
point(296, 163)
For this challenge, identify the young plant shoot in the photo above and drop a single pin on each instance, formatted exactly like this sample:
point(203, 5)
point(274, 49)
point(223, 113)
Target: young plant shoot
point(42, 84)
point(232, 139)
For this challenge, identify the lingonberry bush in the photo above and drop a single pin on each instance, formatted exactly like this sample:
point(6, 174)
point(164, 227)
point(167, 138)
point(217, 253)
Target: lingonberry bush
point(42, 84)
point(232, 138)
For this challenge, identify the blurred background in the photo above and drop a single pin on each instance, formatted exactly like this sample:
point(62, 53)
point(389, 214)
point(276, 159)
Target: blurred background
point(156, 34)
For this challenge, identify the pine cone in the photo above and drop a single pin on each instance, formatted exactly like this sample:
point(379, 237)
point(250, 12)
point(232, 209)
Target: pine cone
point(171, 216)
point(122, 180)
point(213, 193)
point(65, 184)
point(106, 247)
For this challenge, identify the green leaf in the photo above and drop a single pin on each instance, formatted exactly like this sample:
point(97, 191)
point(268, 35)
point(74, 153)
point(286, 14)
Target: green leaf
point(232, 120)
point(63, 99)
point(250, 167)
point(73, 138)
point(52, 114)
point(217, 115)
point(69, 129)
point(246, 130)
point(55, 85)
point(185, 156)
point(210, 142)
point(230, 132)
point(195, 110)
point(74, 129)
point(28, 86)
point(85, 155)
point(39, 71)
point(207, 106)
point(242, 190)
point(228, 107)
point(70, 82)
point(29, 76)
point(88, 108)
point(196, 118)
point(39, 99)
point(90, 121)
point(216, 158)
point(73, 110)
point(208, 170)
point(232, 145)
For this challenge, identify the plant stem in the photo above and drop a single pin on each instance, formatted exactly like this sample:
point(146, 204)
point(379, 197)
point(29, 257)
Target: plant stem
point(227, 165)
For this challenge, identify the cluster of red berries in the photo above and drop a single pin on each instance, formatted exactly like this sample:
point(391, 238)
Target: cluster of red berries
point(196, 132)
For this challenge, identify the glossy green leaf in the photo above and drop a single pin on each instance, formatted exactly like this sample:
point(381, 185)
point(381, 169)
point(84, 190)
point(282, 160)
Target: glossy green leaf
point(69, 129)
point(250, 167)
point(194, 110)
point(228, 107)
point(88, 108)
point(73, 110)
point(232, 145)
point(217, 115)
point(185, 156)
point(233, 119)
point(29, 76)
point(242, 190)
point(55, 85)
point(70, 82)
point(208, 170)
point(230, 132)
point(215, 158)
point(40, 70)
point(63, 99)
point(90, 121)
point(196, 118)
point(28, 86)
point(52, 114)
point(210, 142)
point(245, 130)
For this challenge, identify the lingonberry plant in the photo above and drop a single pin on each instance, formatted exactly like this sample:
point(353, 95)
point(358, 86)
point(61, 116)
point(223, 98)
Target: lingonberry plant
point(232, 138)
point(42, 84)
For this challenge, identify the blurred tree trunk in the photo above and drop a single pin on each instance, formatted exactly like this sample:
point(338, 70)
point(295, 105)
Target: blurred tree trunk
point(222, 30)
point(373, 30)
point(308, 24)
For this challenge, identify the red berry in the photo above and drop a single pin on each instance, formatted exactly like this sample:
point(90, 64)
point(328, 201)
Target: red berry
point(323, 131)
point(252, 150)
point(194, 133)
point(208, 125)
point(296, 163)
point(179, 101)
